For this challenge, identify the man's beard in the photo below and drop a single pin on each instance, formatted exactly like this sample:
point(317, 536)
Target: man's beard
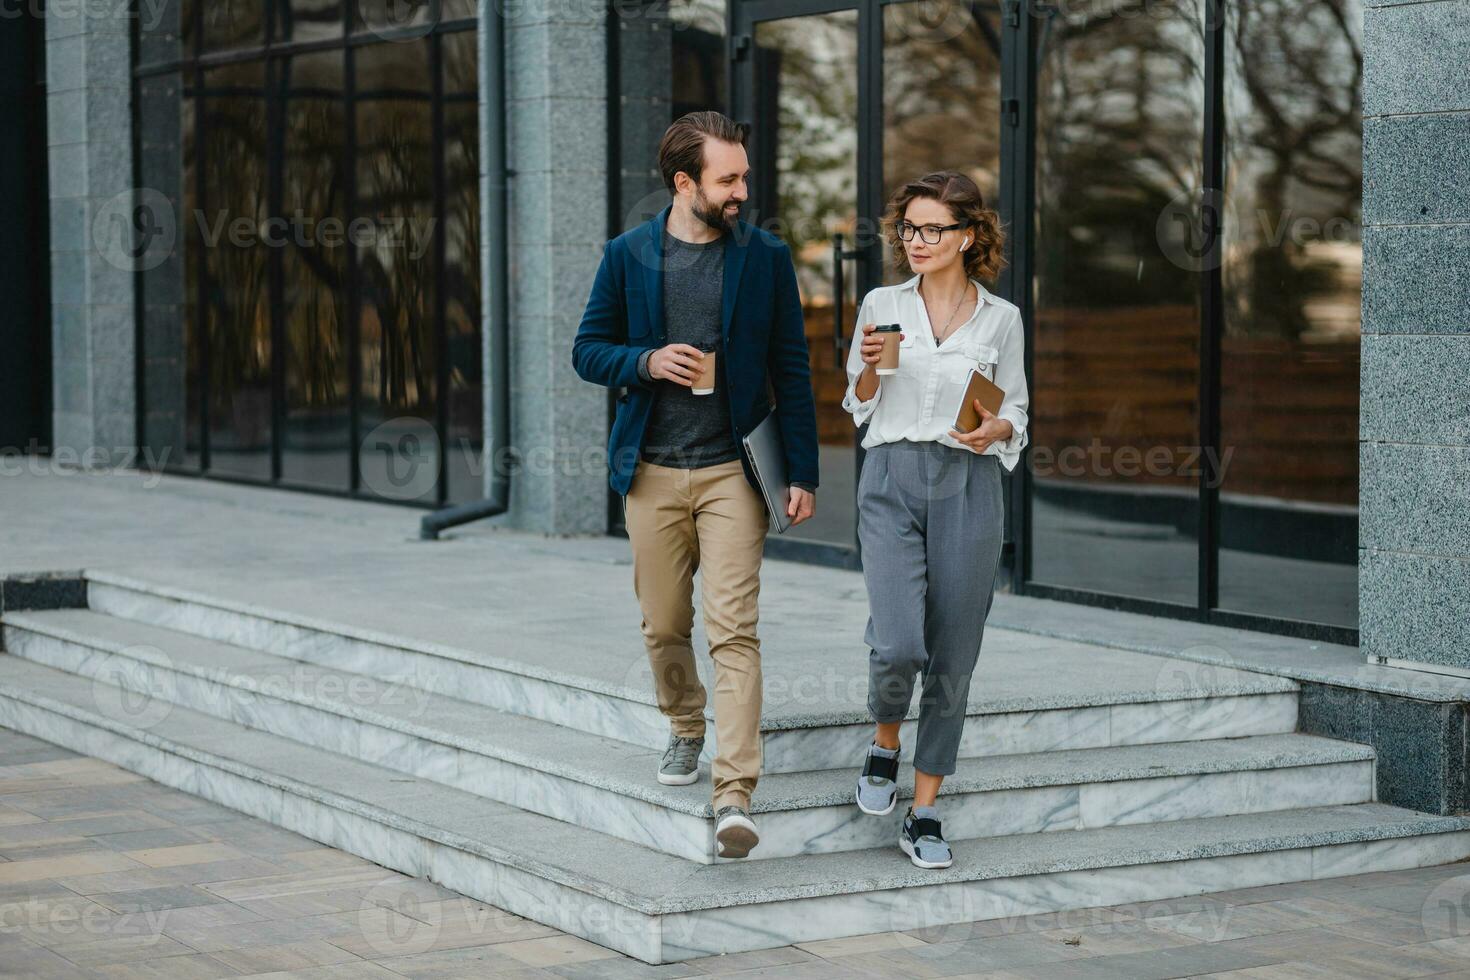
point(712, 215)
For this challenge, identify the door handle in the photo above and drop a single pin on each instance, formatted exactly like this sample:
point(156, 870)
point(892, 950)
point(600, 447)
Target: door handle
point(839, 290)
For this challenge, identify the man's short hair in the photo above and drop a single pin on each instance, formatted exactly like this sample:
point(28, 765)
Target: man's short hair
point(682, 147)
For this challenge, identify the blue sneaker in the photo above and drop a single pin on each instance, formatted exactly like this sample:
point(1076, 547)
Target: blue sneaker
point(877, 787)
point(922, 840)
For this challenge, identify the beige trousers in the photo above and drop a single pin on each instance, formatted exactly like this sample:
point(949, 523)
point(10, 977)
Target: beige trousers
point(710, 520)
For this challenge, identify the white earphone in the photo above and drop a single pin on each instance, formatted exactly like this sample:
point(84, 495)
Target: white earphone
point(966, 245)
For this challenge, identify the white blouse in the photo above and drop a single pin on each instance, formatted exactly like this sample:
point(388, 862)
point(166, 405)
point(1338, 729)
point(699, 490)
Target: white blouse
point(920, 402)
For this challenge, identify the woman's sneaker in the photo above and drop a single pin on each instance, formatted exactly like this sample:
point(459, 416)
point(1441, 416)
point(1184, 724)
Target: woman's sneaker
point(735, 832)
point(680, 765)
point(877, 787)
point(922, 840)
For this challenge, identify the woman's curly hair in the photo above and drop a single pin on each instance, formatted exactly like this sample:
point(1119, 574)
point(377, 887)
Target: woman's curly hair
point(986, 255)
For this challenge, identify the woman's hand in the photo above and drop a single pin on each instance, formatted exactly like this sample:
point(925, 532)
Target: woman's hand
point(991, 429)
point(871, 348)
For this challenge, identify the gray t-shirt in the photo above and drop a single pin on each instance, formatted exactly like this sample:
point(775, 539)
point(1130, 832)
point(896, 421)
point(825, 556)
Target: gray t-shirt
point(686, 430)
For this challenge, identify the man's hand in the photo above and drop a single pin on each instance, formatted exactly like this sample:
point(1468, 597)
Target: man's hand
point(802, 505)
point(678, 363)
point(991, 429)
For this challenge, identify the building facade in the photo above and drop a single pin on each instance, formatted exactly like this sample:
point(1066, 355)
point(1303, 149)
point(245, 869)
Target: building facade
point(344, 245)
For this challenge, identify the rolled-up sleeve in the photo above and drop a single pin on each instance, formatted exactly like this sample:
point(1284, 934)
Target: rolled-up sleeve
point(860, 410)
point(1010, 377)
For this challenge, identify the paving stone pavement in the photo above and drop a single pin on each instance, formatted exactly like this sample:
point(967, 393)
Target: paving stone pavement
point(104, 873)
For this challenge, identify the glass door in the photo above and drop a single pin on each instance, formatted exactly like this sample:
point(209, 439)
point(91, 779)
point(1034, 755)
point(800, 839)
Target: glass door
point(796, 83)
point(1174, 260)
point(948, 104)
point(942, 99)
point(846, 102)
point(1119, 111)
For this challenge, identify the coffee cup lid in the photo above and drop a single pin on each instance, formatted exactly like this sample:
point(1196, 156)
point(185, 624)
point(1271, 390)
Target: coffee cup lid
point(887, 328)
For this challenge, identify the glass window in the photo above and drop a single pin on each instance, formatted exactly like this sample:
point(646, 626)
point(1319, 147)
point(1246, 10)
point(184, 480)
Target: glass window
point(395, 271)
point(1292, 274)
point(308, 20)
point(300, 305)
point(316, 447)
point(697, 56)
point(389, 16)
point(464, 448)
point(230, 24)
point(941, 99)
point(1117, 307)
point(237, 319)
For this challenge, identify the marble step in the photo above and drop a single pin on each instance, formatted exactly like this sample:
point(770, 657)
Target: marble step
point(1172, 703)
point(609, 786)
point(659, 908)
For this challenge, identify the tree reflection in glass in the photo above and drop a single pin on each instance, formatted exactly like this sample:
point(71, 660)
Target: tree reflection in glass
point(237, 293)
point(395, 259)
point(1116, 335)
point(316, 447)
point(1292, 277)
point(941, 99)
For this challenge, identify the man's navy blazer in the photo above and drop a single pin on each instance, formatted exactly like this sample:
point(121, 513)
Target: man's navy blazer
point(764, 350)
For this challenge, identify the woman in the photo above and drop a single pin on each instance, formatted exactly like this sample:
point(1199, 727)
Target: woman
point(930, 517)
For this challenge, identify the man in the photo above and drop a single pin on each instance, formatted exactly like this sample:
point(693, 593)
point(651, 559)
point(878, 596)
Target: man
point(697, 277)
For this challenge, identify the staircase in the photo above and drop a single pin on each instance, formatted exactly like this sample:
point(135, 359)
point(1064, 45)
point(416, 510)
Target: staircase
point(534, 790)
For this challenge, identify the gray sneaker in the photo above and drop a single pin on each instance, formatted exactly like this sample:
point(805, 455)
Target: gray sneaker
point(922, 839)
point(680, 765)
point(735, 832)
point(877, 789)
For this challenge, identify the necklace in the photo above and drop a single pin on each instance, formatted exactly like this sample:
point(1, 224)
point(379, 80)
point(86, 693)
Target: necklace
point(943, 334)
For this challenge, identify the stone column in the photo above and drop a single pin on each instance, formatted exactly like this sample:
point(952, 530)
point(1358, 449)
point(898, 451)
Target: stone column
point(1414, 563)
point(92, 327)
point(557, 146)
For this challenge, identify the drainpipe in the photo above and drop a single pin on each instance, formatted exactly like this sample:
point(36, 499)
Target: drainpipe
point(494, 189)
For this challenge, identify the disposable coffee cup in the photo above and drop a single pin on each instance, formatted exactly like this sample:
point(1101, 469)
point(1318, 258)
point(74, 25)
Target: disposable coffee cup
point(704, 384)
point(888, 360)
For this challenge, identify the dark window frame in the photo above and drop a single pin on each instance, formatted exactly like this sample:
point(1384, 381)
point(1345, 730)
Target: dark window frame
point(190, 67)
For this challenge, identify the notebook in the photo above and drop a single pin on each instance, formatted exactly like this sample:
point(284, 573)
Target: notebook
point(767, 455)
point(981, 387)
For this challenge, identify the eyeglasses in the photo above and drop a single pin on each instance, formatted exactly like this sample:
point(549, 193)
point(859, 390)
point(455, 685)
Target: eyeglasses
point(929, 233)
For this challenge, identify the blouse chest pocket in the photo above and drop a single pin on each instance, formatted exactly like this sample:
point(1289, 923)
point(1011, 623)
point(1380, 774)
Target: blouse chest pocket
point(986, 358)
point(966, 357)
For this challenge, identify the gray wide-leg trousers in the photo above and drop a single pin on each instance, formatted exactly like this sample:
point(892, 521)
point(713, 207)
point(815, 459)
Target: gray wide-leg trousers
point(930, 521)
